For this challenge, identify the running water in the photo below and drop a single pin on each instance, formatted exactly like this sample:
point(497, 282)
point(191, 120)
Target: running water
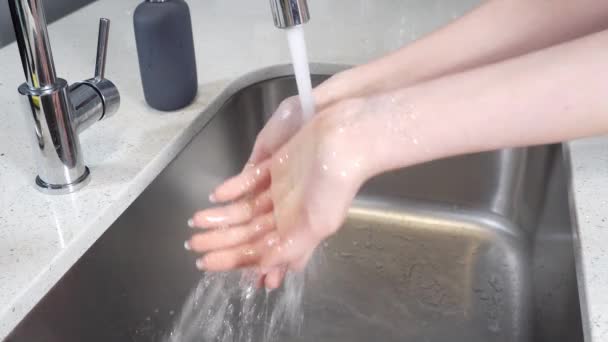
point(299, 59)
point(228, 307)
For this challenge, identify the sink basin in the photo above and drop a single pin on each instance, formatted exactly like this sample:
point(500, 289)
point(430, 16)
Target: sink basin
point(472, 248)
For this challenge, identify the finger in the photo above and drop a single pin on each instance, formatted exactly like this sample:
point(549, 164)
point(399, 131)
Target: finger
point(284, 251)
point(260, 152)
point(249, 180)
point(274, 278)
point(261, 280)
point(235, 213)
point(229, 259)
point(244, 255)
point(285, 121)
point(300, 264)
point(230, 237)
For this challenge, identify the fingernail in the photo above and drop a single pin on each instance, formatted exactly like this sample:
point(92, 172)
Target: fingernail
point(187, 246)
point(200, 264)
point(191, 223)
point(212, 198)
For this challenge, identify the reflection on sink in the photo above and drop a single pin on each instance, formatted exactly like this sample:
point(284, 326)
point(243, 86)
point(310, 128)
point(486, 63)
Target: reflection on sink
point(473, 248)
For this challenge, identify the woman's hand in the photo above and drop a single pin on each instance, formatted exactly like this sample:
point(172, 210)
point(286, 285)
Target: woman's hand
point(288, 118)
point(287, 204)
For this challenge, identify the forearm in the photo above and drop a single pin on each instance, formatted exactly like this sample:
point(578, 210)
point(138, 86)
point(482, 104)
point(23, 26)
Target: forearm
point(549, 96)
point(496, 30)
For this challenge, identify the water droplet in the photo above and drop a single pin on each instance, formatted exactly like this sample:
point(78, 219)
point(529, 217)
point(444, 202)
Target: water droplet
point(215, 219)
point(249, 252)
point(271, 241)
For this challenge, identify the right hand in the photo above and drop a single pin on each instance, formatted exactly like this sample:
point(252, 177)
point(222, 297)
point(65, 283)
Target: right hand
point(288, 118)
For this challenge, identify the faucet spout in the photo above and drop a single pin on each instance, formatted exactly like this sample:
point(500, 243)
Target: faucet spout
point(289, 13)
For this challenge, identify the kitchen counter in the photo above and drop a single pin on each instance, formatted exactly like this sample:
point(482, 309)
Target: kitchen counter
point(588, 162)
point(42, 236)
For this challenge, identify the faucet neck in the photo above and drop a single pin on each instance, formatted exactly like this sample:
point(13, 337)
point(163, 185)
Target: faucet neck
point(32, 37)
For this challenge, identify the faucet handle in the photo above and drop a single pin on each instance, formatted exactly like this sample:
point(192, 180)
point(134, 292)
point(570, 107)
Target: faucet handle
point(102, 49)
point(95, 98)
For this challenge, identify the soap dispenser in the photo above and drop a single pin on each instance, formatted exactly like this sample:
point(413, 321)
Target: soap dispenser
point(165, 48)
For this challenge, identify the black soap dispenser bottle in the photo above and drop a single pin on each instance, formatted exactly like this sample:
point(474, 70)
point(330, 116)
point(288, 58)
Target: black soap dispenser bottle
point(165, 47)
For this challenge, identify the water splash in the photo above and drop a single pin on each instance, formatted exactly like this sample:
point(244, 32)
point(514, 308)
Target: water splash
point(299, 58)
point(228, 307)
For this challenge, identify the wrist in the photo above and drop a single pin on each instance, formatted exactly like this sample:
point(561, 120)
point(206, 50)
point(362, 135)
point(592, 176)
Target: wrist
point(328, 92)
point(340, 146)
point(339, 87)
point(400, 129)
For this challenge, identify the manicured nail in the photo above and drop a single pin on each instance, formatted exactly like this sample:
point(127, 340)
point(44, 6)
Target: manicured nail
point(187, 246)
point(212, 198)
point(200, 264)
point(191, 223)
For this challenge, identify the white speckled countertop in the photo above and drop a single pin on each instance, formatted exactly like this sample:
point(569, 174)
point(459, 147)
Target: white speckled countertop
point(41, 237)
point(588, 161)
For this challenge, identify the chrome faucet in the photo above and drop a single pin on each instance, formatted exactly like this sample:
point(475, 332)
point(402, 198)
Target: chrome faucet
point(289, 13)
point(58, 113)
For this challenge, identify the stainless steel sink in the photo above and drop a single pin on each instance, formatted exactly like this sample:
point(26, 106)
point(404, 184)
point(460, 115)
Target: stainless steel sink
point(473, 248)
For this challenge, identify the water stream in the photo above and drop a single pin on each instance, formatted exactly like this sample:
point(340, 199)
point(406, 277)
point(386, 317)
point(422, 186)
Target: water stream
point(299, 59)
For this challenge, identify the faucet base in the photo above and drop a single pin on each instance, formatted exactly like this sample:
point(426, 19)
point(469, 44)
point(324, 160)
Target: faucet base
point(63, 189)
